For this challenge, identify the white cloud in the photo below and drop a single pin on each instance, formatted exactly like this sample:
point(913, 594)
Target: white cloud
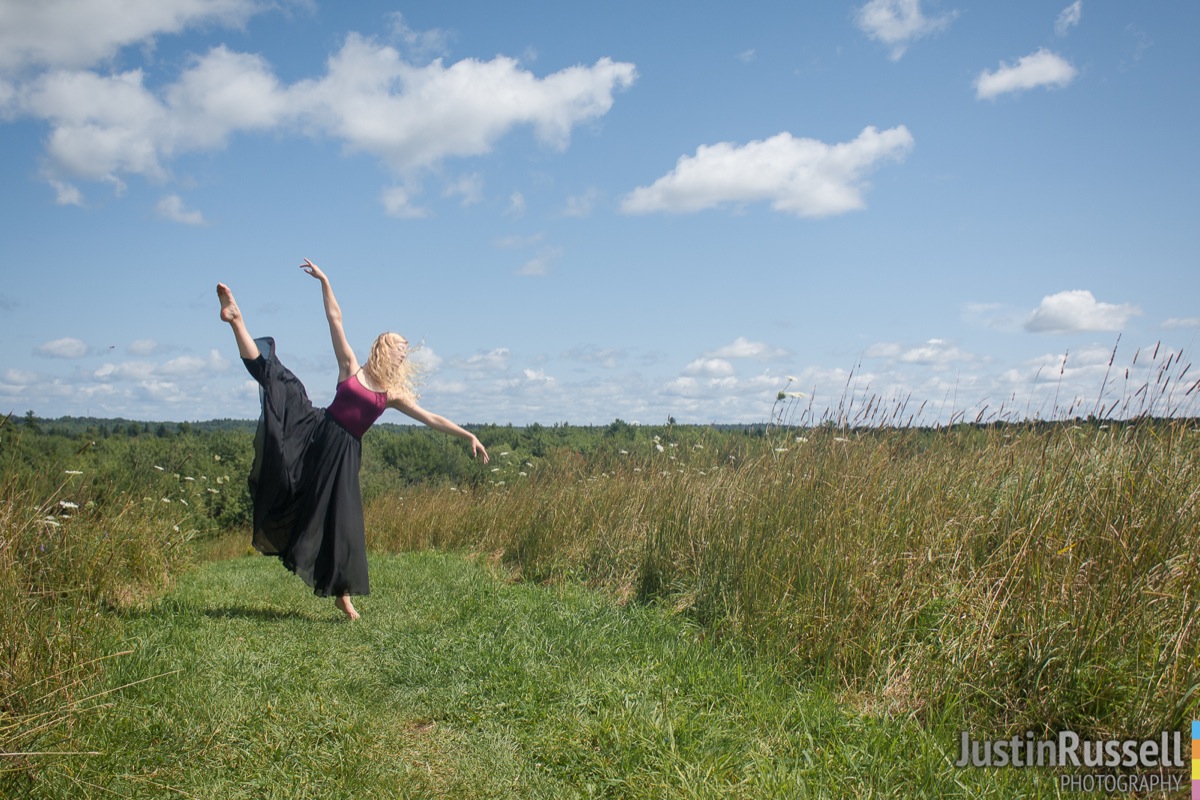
point(516, 206)
point(194, 366)
point(709, 367)
point(746, 56)
point(143, 347)
point(415, 116)
point(898, 23)
point(742, 347)
point(398, 202)
point(1178, 323)
point(419, 44)
point(182, 367)
point(1068, 18)
point(171, 207)
point(126, 370)
point(582, 205)
point(1042, 68)
point(935, 352)
point(79, 33)
point(66, 194)
point(1067, 312)
point(20, 377)
point(412, 117)
point(804, 177)
point(496, 359)
point(539, 265)
point(469, 187)
point(63, 348)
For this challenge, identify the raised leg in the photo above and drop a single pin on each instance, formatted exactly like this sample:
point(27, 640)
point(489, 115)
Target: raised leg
point(233, 315)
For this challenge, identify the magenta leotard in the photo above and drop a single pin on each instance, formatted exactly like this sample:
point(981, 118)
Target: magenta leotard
point(355, 407)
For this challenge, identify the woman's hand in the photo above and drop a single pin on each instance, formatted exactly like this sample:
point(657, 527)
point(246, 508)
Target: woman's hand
point(314, 270)
point(477, 447)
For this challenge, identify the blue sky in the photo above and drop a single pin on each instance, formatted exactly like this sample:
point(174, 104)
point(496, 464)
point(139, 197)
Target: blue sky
point(593, 213)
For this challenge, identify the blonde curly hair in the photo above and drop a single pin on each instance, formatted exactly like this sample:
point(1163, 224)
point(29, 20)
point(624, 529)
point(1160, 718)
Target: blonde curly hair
point(390, 368)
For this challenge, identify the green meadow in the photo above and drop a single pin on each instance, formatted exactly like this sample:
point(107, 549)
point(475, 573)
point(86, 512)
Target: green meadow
point(620, 611)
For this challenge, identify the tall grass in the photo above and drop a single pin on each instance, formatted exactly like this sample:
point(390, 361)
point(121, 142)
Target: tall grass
point(1012, 577)
point(70, 547)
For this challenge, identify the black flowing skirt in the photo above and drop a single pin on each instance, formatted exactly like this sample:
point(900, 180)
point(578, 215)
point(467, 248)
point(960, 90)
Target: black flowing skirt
point(304, 484)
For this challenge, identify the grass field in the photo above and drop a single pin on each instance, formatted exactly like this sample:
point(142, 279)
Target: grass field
point(673, 612)
point(460, 684)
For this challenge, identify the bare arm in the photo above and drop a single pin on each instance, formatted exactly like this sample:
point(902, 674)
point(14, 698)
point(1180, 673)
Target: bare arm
point(438, 423)
point(347, 363)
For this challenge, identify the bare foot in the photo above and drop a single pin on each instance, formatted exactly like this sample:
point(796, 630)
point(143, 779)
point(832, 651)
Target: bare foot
point(343, 604)
point(229, 307)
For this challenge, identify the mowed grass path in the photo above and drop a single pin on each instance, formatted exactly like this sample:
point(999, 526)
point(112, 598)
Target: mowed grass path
point(459, 684)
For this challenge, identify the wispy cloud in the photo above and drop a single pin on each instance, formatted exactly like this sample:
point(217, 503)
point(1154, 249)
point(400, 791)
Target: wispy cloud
point(1078, 310)
point(1042, 68)
point(741, 347)
point(492, 360)
point(143, 347)
point(516, 206)
point(1068, 18)
point(66, 347)
point(899, 23)
point(709, 368)
point(540, 264)
point(804, 177)
point(582, 205)
point(468, 187)
point(398, 202)
point(171, 207)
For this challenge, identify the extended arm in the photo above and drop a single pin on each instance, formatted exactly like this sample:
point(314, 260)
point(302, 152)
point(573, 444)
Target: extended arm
point(439, 423)
point(347, 363)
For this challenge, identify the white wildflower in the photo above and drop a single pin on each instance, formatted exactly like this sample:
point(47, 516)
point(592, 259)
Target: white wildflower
point(189, 478)
point(780, 449)
point(166, 499)
point(210, 490)
point(67, 504)
point(801, 439)
point(495, 469)
point(185, 502)
point(840, 439)
point(658, 447)
point(74, 472)
point(53, 523)
point(216, 457)
point(624, 452)
point(160, 469)
point(523, 474)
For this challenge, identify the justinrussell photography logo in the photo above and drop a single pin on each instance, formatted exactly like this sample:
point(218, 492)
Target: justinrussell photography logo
point(1134, 758)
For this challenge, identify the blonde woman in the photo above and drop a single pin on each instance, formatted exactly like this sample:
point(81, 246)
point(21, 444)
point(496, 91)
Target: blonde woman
point(304, 482)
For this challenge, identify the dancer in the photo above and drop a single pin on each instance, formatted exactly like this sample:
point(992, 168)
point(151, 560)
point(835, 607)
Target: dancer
point(304, 482)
